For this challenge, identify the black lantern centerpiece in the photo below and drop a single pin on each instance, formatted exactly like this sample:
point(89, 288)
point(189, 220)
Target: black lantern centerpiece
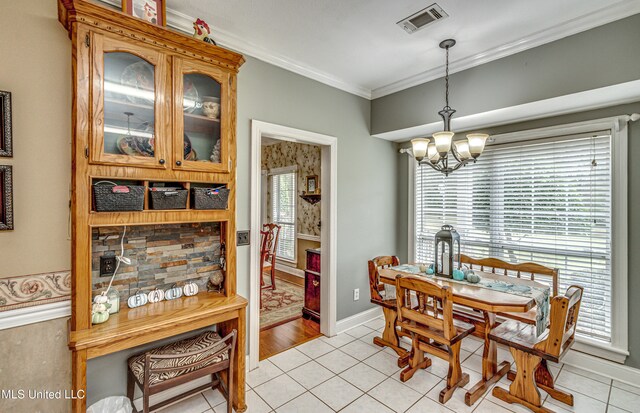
point(447, 251)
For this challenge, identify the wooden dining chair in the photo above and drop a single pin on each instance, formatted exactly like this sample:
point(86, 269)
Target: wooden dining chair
point(388, 304)
point(531, 352)
point(268, 251)
point(433, 329)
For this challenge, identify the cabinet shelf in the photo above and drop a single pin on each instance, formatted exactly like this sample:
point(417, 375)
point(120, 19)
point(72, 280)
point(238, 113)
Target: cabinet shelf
point(310, 198)
point(114, 113)
point(149, 217)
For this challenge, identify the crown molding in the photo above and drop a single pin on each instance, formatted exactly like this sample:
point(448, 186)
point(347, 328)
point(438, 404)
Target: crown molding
point(624, 8)
point(184, 23)
point(619, 94)
point(600, 17)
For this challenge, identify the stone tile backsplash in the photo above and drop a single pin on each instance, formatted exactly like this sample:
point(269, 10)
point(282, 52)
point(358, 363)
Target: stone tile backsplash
point(161, 255)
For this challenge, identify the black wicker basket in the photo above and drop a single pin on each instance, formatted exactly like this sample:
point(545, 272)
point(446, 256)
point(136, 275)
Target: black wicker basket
point(210, 198)
point(168, 198)
point(111, 197)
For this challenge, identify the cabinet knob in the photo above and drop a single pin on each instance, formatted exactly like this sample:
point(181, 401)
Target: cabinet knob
point(178, 163)
point(162, 161)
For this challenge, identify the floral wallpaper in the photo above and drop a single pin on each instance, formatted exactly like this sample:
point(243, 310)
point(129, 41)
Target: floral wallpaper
point(307, 158)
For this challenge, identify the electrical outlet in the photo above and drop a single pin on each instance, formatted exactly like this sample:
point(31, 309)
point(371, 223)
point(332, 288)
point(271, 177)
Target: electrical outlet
point(242, 238)
point(356, 294)
point(107, 265)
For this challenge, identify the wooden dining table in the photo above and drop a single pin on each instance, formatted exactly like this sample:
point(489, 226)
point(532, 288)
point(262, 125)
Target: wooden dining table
point(482, 306)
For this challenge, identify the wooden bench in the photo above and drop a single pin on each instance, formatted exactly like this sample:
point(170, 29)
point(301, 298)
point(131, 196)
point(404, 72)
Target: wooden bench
point(531, 352)
point(174, 364)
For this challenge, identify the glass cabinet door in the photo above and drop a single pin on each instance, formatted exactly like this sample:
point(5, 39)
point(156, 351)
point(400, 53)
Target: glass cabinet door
point(128, 93)
point(200, 116)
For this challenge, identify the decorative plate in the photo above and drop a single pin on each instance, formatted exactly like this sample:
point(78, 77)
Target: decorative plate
point(136, 146)
point(140, 76)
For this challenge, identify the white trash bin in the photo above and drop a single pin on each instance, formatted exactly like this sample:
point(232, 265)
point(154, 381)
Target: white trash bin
point(113, 404)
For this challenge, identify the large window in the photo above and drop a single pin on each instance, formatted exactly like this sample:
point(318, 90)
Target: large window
point(547, 201)
point(283, 212)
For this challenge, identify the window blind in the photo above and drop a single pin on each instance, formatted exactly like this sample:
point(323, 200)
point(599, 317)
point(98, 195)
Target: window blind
point(283, 204)
point(546, 201)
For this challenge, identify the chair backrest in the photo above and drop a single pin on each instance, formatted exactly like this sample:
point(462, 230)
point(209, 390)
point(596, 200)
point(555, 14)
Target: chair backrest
point(375, 286)
point(527, 269)
point(435, 304)
point(269, 242)
point(563, 319)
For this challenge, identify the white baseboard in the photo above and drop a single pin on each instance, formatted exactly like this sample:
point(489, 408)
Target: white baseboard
point(358, 319)
point(34, 314)
point(289, 270)
point(603, 367)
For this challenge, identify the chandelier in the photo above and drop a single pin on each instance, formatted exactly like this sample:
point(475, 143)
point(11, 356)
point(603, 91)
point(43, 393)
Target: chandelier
point(437, 151)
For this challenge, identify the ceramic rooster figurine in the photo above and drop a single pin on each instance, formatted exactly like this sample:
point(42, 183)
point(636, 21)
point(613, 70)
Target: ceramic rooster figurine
point(202, 31)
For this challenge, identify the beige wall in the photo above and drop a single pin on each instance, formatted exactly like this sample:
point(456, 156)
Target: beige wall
point(35, 66)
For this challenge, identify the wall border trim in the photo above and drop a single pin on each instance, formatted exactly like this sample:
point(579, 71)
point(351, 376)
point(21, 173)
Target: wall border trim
point(35, 314)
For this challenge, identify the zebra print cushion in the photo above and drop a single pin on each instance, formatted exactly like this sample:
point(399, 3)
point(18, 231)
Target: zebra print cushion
point(209, 342)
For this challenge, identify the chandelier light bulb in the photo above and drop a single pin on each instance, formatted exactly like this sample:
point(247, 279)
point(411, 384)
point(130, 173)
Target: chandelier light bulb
point(432, 153)
point(476, 143)
point(462, 148)
point(419, 147)
point(443, 142)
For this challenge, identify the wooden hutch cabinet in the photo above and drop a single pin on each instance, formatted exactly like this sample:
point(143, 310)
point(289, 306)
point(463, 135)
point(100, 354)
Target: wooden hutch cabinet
point(138, 118)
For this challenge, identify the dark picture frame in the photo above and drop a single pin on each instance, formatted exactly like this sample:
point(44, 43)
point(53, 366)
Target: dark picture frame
point(6, 138)
point(138, 8)
point(6, 197)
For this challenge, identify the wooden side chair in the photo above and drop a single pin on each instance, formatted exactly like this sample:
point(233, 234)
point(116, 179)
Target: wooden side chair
point(174, 364)
point(432, 328)
point(527, 270)
point(531, 352)
point(268, 248)
point(388, 305)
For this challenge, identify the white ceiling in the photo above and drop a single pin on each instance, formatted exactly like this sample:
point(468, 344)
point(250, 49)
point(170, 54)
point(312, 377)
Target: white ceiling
point(356, 45)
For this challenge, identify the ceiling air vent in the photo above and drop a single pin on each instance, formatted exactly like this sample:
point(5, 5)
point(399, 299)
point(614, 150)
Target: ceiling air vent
point(422, 18)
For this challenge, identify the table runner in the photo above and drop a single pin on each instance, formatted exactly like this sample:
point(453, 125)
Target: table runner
point(539, 294)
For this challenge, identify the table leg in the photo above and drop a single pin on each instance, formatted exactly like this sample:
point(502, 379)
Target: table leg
point(491, 372)
point(239, 358)
point(79, 380)
point(390, 334)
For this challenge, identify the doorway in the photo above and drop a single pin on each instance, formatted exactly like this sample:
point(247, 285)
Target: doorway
point(279, 189)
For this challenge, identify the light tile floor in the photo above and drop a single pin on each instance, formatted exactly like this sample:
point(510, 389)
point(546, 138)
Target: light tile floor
point(347, 373)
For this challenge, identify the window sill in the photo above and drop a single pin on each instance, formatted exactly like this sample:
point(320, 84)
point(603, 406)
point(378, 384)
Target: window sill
point(599, 349)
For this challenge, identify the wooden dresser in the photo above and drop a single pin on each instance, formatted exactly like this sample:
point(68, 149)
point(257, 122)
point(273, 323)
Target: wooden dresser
point(311, 307)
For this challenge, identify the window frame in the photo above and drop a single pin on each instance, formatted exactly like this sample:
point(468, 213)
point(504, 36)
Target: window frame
point(282, 171)
point(618, 349)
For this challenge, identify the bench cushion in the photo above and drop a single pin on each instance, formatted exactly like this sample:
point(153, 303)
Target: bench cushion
point(206, 342)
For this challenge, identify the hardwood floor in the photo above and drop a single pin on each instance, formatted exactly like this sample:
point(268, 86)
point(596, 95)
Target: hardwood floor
point(285, 336)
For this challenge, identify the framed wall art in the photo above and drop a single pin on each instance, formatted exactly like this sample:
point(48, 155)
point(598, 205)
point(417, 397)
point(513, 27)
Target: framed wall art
point(311, 184)
point(6, 140)
point(6, 198)
point(152, 11)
